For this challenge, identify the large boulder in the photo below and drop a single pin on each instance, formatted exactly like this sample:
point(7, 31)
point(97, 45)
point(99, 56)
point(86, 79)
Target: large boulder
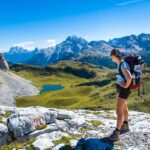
point(3, 64)
point(4, 135)
point(28, 120)
point(45, 141)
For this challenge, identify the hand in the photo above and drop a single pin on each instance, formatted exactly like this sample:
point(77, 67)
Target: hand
point(122, 84)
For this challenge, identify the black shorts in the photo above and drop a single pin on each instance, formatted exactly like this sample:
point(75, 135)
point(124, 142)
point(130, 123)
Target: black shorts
point(123, 92)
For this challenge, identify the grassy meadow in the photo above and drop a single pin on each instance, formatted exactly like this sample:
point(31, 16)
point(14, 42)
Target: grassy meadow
point(85, 87)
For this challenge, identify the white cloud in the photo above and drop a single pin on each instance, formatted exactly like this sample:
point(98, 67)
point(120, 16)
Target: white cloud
point(128, 2)
point(3, 50)
point(51, 42)
point(26, 45)
point(87, 37)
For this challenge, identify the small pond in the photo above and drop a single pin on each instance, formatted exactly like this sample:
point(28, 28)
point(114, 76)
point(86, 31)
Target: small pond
point(47, 88)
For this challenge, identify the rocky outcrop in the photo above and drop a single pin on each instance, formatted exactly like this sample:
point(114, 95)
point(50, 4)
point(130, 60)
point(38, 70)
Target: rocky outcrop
point(3, 64)
point(4, 134)
point(74, 129)
point(27, 120)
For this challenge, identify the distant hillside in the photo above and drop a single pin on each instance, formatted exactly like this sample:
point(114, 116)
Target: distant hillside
point(85, 86)
point(55, 69)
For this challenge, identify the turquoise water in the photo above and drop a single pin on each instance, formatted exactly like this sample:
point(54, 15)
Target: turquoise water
point(47, 88)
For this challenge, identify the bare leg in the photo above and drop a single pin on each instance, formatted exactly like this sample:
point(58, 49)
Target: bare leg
point(126, 113)
point(121, 103)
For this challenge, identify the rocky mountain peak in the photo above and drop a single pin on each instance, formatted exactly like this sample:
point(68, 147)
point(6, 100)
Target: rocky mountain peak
point(36, 50)
point(17, 49)
point(74, 39)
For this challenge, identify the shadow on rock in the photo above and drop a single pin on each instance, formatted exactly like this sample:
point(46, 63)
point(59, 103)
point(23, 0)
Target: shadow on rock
point(90, 144)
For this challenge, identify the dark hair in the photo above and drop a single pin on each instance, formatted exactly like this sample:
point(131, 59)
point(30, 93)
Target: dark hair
point(118, 52)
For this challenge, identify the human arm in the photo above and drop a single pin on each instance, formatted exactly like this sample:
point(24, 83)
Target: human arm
point(129, 78)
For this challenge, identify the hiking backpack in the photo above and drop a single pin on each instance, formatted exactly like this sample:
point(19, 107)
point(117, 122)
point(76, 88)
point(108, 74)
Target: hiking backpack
point(136, 69)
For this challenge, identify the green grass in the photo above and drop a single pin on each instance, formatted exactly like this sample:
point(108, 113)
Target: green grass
point(6, 115)
point(92, 93)
point(95, 123)
point(19, 145)
point(64, 140)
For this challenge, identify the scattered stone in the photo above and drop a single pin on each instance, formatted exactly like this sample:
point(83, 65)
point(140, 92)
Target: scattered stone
point(75, 129)
point(12, 86)
point(73, 142)
point(45, 140)
point(41, 144)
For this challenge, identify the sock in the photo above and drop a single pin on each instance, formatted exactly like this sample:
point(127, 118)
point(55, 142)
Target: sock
point(125, 122)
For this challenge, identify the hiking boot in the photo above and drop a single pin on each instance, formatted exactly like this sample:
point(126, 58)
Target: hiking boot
point(124, 128)
point(114, 136)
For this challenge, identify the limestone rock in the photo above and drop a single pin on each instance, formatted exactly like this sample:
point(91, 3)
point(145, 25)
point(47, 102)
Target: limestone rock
point(28, 120)
point(4, 135)
point(74, 128)
point(3, 64)
point(45, 141)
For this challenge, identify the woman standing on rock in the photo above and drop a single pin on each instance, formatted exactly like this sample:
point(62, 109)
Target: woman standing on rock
point(123, 91)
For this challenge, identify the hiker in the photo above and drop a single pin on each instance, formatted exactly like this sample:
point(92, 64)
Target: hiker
point(123, 91)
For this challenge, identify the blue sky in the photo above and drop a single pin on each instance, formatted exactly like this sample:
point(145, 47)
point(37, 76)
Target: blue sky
point(43, 23)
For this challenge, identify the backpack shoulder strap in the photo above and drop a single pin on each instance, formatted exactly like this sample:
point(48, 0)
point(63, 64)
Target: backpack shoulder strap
point(120, 71)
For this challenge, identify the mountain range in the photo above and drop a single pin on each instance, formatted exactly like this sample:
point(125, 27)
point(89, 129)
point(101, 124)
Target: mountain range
point(79, 49)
